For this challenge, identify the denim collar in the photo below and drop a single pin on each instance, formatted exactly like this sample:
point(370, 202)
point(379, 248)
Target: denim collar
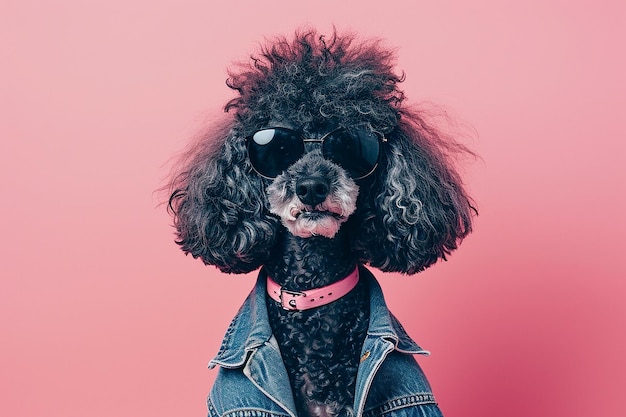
point(250, 328)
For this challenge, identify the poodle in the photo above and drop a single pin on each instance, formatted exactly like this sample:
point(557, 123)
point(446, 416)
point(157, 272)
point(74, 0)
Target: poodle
point(319, 168)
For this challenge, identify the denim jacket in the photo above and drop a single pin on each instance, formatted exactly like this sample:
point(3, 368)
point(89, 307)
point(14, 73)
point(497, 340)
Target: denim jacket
point(252, 380)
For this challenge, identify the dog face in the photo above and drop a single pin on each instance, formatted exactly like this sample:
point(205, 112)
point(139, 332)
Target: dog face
point(352, 155)
point(313, 189)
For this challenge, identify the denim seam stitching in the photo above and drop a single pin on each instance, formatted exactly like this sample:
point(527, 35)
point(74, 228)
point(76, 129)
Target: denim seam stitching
point(398, 403)
point(252, 413)
point(243, 412)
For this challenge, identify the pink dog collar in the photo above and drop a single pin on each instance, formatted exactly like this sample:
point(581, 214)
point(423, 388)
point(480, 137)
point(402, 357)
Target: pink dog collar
point(317, 297)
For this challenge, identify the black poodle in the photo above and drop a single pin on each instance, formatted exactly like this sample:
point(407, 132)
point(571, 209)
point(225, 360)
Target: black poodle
point(319, 168)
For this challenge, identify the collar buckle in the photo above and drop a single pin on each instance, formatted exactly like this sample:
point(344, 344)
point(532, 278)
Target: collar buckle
point(288, 299)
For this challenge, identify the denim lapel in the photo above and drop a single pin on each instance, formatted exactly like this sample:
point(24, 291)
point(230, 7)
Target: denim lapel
point(384, 334)
point(266, 370)
point(249, 344)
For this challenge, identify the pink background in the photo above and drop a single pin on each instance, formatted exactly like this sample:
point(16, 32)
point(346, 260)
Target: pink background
point(102, 315)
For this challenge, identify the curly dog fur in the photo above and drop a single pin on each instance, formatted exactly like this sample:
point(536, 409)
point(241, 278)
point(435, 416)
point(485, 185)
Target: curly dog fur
point(412, 210)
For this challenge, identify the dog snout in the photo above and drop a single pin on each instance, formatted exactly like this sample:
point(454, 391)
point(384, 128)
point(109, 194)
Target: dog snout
point(312, 190)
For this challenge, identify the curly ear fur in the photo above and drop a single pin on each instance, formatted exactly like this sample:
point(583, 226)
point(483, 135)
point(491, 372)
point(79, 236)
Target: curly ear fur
point(415, 210)
point(219, 207)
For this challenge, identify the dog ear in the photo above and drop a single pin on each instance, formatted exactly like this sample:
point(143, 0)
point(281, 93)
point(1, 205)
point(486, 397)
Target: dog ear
point(219, 207)
point(415, 209)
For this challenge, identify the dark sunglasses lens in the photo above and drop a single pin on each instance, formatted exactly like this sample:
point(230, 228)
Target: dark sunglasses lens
point(271, 151)
point(356, 150)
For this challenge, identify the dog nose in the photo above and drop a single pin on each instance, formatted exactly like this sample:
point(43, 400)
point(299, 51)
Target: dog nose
point(312, 190)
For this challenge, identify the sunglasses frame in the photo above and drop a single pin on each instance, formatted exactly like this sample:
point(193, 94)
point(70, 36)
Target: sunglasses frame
point(381, 139)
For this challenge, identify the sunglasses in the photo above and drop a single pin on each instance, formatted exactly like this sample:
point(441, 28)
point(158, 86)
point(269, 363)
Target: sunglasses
point(273, 150)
